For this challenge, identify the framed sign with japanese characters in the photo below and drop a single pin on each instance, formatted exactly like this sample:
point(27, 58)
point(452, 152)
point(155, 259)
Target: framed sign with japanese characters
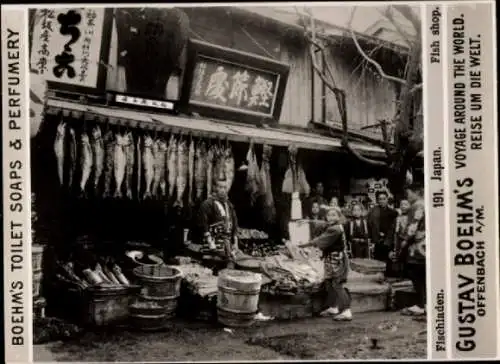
point(228, 84)
point(72, 48)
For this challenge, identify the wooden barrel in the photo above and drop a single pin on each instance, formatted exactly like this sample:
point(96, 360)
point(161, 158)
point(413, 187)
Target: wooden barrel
point(161, 285)
point(151, 322)
point(233, 319)
point(238, 291)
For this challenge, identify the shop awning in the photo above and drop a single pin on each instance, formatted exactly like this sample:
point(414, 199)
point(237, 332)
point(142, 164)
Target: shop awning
point(205, 127)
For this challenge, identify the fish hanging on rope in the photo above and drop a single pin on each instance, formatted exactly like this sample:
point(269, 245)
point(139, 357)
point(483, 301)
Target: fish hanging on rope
point(210, 169)
point(98, 156)
point(109, 148)
point(200, 173)
point(159, 163)
point(59, 150)
point(72, 156)
point(129, 167)
point(229, 167)
point(191, 157)
point(172, 166)
point(85, 161)
point(148, 165)
point(120, 162)
point(160, 169)
point(182, 171)
point(139, 165)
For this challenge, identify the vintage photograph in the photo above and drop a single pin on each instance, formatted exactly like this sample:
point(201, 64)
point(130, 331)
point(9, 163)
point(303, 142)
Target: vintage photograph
point(227, 183)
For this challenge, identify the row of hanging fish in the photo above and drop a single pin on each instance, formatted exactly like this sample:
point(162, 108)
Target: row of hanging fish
point(295, 177)
point(130, 165)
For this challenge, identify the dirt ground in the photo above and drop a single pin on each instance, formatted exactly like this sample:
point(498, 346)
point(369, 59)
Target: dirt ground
point(397, 337)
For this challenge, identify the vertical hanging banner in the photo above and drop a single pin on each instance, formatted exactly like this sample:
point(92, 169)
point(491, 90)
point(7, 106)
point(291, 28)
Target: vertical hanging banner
point(434, 107)
point(472, 169)
point(71, 47)
point(16, 186)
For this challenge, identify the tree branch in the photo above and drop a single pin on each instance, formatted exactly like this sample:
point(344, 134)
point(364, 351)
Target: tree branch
point(368, 58)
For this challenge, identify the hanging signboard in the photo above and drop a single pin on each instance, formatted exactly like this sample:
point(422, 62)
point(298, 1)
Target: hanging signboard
point(228, 84)
point(71, 47)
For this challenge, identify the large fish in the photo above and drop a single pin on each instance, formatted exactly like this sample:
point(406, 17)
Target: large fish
point(200, 169)
point(219, 165)
point(85, 161)
point(182, 171)
point(172, 165)
point(72, 156)
point(160, 168)
point(139, 166)
point(191, 155)
point(210, 169)
point(120, 157)
point(159, 162)
point(229, 166)
point(109, 145)
point(269, 211)
point(148, 165)
point(129, 167)
point(252, 183)
point(59, 150)
point(98, 155)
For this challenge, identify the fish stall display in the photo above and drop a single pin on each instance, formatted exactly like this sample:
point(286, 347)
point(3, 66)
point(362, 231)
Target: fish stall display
point(123, 164)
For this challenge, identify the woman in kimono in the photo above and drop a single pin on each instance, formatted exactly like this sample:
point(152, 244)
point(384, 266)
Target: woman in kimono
point(336, 265)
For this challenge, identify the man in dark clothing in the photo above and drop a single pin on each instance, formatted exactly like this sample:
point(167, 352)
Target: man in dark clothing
point(217, 222)
point(381, 220)
point(414, 244)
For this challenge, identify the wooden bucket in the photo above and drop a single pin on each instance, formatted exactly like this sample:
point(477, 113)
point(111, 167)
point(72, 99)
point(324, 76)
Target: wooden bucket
point(238, 291)
point(161, 285)
point(151, 322)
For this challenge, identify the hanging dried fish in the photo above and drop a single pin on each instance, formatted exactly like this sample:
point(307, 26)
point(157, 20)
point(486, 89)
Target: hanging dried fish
point(98, 155)
point(109, 145)
point(72, 156)
point(59, 150)
point(159, 167)
point(156, 175)
point(139, 165)
point(129, 167)
point(219, 165)
point(252, 185)
point(148, 164)
point(210, 169)
point(191, 157)
point(269, 210)
point(229, 167)
point(85, 161)
point(182, 171)
point(290, 180)
point(120, 162)
point(172, 165)
point(162, 165)
point(200, 174)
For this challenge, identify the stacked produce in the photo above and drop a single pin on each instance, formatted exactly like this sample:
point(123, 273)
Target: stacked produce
point(290, 276)
point(138, 165)
point(101, 275)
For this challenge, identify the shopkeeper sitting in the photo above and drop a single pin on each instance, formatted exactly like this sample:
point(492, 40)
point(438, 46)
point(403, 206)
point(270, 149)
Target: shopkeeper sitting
point(218, 223)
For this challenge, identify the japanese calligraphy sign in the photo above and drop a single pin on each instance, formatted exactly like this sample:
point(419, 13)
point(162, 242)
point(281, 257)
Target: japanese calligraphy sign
point(69, 46)
point(224, 83)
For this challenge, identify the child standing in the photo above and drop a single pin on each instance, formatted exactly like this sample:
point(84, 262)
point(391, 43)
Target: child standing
point(336, 263)
point(357, 233)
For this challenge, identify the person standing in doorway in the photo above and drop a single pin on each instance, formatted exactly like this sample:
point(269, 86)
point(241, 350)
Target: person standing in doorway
point(381, 220)
point(317, 196)
point(414, 243)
